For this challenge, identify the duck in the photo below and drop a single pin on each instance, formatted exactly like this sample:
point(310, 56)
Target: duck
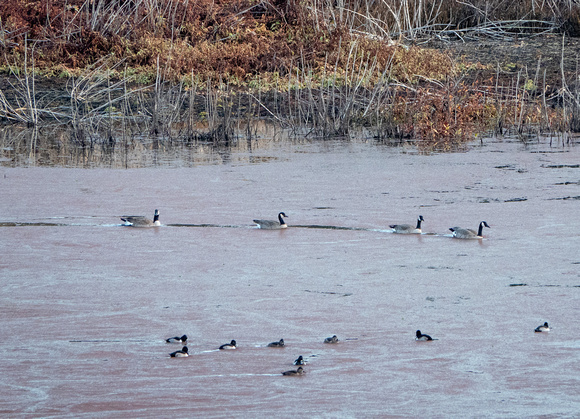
point(299, 371)
point(271, 224)
point(299, 361)
point(177, 339)
point(141, 221)
point(333, 339)
point(465, 233)
point(278, 344)
point(421, 336)
point(231, 345)
point(179, 354)
point(408, 228)
point(543, 328)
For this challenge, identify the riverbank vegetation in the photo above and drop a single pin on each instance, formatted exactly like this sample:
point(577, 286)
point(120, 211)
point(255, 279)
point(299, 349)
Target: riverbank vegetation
point(206, 70)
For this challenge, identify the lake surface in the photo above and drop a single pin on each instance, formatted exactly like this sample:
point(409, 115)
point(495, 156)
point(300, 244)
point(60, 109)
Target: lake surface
point(87, 303)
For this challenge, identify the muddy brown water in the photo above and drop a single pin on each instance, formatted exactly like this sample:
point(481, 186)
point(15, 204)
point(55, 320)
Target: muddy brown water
point(86, 303)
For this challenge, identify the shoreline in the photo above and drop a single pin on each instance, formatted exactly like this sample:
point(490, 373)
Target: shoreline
point(524, 85)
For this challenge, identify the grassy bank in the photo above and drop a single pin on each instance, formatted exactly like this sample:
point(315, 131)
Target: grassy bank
point(192, 70)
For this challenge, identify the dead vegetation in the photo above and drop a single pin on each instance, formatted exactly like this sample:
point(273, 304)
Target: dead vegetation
point(185, 70)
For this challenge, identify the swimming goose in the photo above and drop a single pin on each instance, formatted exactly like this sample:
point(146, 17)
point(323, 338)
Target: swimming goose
point(179, 354)
point(278, 344)
point(333, 339)
point(421, 336)
point(466, 233)
point(299, 371)
point(141, 221)
point(231, 345)
point(408, 228)
point(299, 361)
point(271, 224)
point(177, 339)
point(543, 328)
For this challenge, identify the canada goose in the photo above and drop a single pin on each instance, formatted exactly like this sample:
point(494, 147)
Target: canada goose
point(543, 328)
point(141, 221)
point(299, 371)
point(333, 339)
point(465, 233)
point(408, 228)
point(299, 361)
point(420, 336)
point(271, 224)
point(278, 344)
point(231, 345)
point(179, 354)
point(177, 339)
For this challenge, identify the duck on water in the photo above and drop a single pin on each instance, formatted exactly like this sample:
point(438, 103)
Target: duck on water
point(179, 354)
point(299, 371)
point(231, 345)
point(408, 228)
point(467, 233)
point(141, 221)
point(177, 339)
point(272, 224)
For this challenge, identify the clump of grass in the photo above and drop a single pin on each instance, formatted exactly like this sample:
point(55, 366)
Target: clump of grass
point(449, 114)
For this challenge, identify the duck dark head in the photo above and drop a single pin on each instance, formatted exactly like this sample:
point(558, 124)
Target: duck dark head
point(419, 221)
point(480, 230)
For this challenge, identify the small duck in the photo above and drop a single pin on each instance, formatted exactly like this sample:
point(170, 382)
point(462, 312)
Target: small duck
point(467, 233)
point(408, 228)
point(299, 371)
point(299, 361)
point(542, 328)
point(231, 345)
point(421, 336)
point(278, 344)
point(271, 224)
point(179, 354)
point(141, 221)
point(177, 339)
point(333, 339)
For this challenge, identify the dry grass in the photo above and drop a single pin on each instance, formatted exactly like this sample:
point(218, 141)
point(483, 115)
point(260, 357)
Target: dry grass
point(184, 69)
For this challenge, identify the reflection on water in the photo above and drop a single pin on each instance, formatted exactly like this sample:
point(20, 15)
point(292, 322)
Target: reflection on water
point(21, 147)
point(58, 147)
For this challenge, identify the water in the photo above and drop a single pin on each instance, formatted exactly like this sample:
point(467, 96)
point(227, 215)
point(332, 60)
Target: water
point(86, 303)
